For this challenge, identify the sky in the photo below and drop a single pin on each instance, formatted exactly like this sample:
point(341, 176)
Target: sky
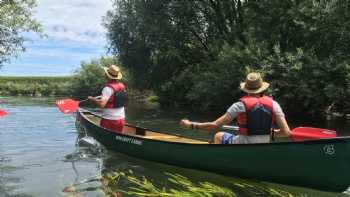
point(74, 34)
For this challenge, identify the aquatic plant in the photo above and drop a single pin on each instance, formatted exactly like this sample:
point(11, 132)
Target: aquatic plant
point(129, 184)
point(144, 187)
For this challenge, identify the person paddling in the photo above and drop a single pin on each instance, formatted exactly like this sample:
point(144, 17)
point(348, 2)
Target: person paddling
point(112, 100)
point(255, 113)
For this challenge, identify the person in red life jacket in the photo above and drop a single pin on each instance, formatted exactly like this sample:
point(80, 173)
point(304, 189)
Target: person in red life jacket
point(255, 113)
point(111, 101)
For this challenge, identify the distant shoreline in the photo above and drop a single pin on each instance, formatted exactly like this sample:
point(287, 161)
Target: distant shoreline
point(41, 86)
point(35, 85)
point(31, 76)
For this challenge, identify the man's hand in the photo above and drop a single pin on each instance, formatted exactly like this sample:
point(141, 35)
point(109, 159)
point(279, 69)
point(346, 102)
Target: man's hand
point(91, 98)
point(185, 123)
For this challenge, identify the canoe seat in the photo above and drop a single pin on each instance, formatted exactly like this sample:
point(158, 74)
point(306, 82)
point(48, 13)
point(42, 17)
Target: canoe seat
point(172, 138)
point(160, 137)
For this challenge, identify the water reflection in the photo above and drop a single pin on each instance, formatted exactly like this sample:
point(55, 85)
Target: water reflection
point(88, 151)
point(7, 189)
point(33, 138)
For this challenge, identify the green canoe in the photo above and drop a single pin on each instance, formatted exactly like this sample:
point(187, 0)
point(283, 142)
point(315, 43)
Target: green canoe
point(321, 164)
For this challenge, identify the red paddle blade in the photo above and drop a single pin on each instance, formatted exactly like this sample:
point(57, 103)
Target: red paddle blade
point(309, 133)
point(3, 113)
point(67, 105)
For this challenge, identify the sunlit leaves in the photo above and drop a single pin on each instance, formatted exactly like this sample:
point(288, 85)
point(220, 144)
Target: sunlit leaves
point(16, 17)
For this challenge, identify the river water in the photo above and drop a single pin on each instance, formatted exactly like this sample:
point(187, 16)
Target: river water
point(40, 156)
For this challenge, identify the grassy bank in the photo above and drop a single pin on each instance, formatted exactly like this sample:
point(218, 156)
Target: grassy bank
point(35, 85)
point(56, 86)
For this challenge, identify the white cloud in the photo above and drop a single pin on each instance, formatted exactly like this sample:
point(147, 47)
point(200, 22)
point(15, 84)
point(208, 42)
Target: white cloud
point(75, 34)
point(74, 20)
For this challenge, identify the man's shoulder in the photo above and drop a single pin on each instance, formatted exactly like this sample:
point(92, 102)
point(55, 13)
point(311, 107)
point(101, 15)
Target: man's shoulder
point(238, 106)
point(116, 86)
point(107, 91)
point(275, 102)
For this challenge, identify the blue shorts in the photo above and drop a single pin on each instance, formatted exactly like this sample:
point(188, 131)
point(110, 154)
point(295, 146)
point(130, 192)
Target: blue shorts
point(228, 138)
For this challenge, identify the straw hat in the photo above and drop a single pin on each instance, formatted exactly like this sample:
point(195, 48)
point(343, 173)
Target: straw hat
point(113, 72)
point(254, 84)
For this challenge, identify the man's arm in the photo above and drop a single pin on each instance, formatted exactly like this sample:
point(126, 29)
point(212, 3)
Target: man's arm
point(210, 126)
point(281, 120)
point(101, 102)
point(283, 125)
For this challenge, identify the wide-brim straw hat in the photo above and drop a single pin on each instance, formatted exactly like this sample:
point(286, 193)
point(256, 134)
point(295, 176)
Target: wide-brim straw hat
point(113, 72)
point(254, 84)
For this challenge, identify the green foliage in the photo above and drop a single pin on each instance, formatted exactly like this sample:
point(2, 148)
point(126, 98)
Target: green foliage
point(301, 81)
point(89, 79)
point(196, 52)
point(16, 17)
point(222, 77)
point(34, 86)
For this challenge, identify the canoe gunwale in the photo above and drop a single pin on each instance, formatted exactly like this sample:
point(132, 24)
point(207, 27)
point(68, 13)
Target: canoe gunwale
point(141, 137)
point(306, 142)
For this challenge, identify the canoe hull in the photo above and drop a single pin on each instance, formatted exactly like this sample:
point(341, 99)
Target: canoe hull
point(321, 164)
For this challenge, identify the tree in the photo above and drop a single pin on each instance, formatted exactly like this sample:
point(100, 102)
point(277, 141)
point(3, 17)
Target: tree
point(197, 52)
point(89, 79)
point(16, 17)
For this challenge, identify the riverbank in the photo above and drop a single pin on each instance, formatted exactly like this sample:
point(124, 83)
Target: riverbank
point(58, 86)
point(35, 85)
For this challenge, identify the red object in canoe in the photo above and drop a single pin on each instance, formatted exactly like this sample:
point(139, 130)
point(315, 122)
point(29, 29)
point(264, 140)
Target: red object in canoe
point(67, 105)
point(309, 133)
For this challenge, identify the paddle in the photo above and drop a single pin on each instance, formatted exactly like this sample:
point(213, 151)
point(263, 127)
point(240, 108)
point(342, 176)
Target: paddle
point(300, 133)
point(67, 106)
point(3, 113)
point(310, 133)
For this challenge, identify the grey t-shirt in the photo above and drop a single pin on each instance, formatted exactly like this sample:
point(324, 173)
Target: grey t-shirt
point(238, 107)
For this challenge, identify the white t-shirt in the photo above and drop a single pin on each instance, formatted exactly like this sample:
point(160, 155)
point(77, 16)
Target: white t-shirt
point(108, 113)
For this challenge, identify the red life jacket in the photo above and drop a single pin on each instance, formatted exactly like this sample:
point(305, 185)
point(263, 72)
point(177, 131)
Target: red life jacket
point(258, 117)
point(117, 87)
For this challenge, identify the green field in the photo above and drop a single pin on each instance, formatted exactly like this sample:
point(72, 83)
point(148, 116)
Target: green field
point(35, 85)
point(43, 79)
